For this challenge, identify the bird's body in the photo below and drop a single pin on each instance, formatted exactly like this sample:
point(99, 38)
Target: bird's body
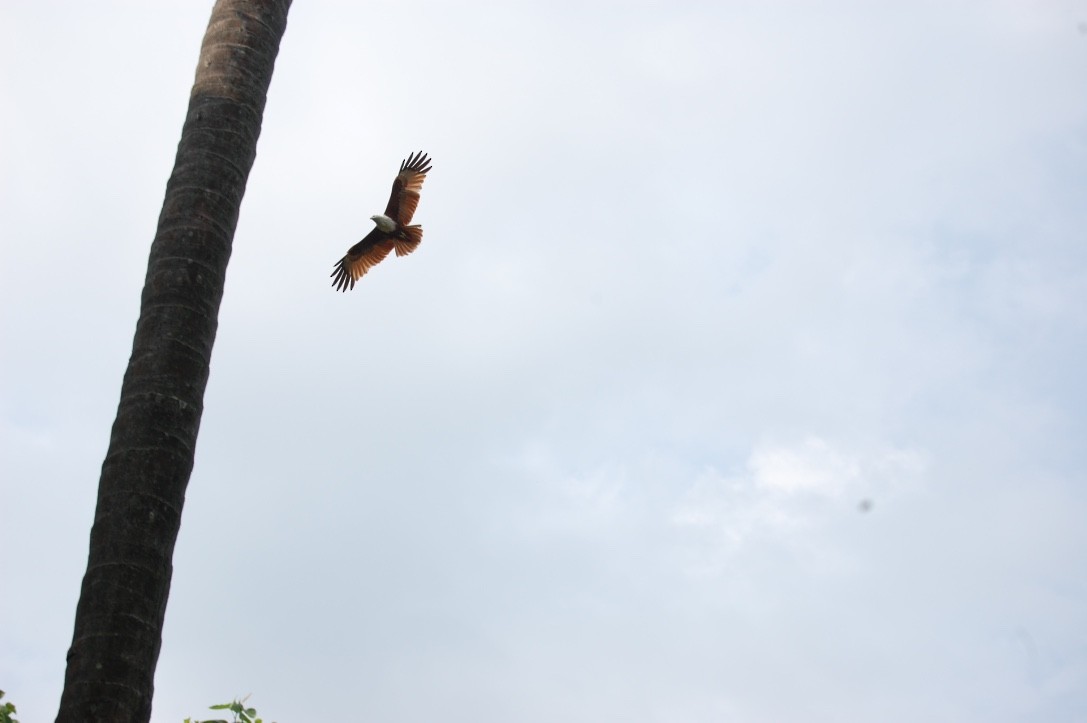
point(391, 230)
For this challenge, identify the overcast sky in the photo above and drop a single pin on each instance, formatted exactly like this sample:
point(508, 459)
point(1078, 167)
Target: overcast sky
point(740, 375)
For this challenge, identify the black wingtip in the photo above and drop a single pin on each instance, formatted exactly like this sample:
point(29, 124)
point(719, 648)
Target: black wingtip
point(342, 280)
point(418, 162)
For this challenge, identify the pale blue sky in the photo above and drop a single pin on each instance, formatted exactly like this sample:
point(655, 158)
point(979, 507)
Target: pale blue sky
point(698, 279)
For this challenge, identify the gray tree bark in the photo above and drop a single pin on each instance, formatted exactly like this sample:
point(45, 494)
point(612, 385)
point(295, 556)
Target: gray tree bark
point(122, 603)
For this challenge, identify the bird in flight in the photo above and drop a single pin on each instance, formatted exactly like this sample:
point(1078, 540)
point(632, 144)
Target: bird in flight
point(391, 229)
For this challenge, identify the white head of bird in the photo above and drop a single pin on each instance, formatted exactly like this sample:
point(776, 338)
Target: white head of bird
point(383, 222)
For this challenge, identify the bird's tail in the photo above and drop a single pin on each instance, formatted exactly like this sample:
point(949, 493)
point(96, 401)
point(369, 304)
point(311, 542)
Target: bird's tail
point(405, 246)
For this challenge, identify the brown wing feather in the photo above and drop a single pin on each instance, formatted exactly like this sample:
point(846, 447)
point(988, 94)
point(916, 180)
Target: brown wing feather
point(405, 194)
point(361, 258)
point(413, 236)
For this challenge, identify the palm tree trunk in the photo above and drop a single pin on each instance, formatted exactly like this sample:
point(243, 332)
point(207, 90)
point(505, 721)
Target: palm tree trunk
point(118, 622)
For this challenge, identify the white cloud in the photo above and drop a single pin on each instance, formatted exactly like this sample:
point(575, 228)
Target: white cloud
point(790, 497)
point(812, 467)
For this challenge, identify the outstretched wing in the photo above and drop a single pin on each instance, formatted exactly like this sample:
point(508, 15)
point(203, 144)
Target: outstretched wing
point(360, 258)
point(406, 187)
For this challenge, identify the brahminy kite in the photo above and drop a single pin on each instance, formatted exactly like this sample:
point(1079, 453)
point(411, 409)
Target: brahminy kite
point(391, 229)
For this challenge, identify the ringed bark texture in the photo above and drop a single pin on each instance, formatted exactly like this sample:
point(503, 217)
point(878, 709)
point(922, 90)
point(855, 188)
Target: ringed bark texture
point(122, 604)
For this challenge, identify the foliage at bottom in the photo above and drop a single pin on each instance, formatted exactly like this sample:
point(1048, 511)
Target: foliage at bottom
point(237, 707)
